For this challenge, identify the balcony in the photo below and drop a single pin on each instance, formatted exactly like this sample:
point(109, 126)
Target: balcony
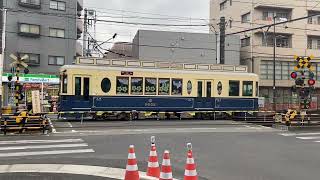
point(79, 5)
point(79, 26)
point(78, 49)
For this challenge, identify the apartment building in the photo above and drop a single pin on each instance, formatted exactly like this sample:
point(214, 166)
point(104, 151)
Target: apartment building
point(300, 38)
point(47, 31)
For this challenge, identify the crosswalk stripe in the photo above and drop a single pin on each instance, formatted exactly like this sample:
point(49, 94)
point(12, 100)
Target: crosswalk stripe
point(309, 137)
point(36, 153)
point(41, 141)
point(43, 146)
point(299, 134)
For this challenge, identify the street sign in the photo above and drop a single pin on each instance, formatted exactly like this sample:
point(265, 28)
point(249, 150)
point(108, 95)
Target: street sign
point(36, 108)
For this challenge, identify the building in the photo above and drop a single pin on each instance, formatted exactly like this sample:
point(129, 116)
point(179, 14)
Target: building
point(300, 38)
point(45, 30)
point(120, 50)
point(183, 47)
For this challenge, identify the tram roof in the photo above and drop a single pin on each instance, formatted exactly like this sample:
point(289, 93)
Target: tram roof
point(94, 67)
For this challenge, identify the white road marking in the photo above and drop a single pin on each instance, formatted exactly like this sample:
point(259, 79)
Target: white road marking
point(98, 171)
point(43, 146)
point(309, 137)
point(36, 153)
point(299, 134)
point(70, 125)
point(41, 141)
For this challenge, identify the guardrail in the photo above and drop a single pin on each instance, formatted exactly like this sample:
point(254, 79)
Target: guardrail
point(22, 124)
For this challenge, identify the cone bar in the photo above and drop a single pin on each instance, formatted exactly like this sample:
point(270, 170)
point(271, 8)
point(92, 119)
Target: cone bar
point(132, 172)
point(190, 172)
point(166, 170)
point(153, 164)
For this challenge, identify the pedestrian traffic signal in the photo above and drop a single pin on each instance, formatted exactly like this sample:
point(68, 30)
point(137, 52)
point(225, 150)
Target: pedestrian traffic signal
point(305, 104)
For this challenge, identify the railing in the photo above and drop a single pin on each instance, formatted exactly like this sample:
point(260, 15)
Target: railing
point(161, 65)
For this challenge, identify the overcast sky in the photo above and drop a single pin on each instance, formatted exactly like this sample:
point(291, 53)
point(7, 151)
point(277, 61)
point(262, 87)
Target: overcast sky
point(147, 11)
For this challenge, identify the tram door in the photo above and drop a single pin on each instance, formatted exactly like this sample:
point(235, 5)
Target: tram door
point(204, 88)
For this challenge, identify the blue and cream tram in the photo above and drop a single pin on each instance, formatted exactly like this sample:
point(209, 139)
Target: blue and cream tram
point(135, 86)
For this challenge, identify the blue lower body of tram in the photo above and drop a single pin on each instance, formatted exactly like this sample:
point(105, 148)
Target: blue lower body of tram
point(155, 103)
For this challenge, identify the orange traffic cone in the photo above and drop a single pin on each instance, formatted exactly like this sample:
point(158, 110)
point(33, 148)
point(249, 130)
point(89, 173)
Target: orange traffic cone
point(166, 170)
point(153, 164)
point(190, 172)
point(132, 172)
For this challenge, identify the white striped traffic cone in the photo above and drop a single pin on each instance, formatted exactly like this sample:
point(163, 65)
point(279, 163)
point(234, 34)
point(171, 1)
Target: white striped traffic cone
point(190, 172)
point(166, 170)
point(132, 172)
point(153, 164)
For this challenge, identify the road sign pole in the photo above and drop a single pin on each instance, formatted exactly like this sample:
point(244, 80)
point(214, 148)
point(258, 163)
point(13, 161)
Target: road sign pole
point(4, 18)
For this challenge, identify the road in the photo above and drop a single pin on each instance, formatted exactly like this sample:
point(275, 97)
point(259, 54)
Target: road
point(223, 150)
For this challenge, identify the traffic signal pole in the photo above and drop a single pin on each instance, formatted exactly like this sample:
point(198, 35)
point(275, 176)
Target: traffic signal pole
point(3, 44)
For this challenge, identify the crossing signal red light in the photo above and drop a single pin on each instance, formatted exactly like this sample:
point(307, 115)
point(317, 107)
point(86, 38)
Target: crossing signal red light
point(293, 75)
point(311, 82)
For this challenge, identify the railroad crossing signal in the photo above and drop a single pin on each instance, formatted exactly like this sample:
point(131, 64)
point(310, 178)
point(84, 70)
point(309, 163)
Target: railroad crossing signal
point(16, 87)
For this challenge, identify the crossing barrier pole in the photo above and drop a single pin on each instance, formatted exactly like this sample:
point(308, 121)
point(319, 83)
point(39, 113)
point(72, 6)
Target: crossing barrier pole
point(81, 118)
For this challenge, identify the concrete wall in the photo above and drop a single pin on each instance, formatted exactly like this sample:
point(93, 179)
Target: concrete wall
point(43, 45)
point(183, 47)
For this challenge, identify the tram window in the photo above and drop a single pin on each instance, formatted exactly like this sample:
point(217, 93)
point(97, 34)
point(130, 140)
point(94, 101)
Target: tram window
point(136, 86)
point(208, 89)
point(77, 86)
point(247, 88)
point(150, 86)
point(122, 85)
point(164, 86)
point(257, 89)
point(199, 88)
point(176, 87)
point(234, 88)
point(86, 88)
point(105, 85)
point(65, 82)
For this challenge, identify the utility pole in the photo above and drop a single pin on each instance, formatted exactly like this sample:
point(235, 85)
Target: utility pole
point(85, 32)
point(222, 39)
point(274, 62)
point(3, 45)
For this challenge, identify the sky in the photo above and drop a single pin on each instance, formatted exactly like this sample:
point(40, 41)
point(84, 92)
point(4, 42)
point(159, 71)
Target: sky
point(146, 11)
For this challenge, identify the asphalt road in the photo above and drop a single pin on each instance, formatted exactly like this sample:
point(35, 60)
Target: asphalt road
point(223, 150)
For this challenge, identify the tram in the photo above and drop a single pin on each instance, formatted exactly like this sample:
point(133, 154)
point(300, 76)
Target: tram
point(124, 86)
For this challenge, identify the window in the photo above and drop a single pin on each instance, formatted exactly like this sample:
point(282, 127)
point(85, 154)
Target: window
point(58, 5)
point(56, 60)
point(245, 18)
point(77, 86)
point(199, 89)
point(309, 43)
point(150, 86)
point(230, 2)
point(282, 41)
point(245, 42)
point(105, 85)
point(33, 59)
point(29, 29)
point(176, 87)
point(247, 89)
point(64, 83)
point(223, 5)
point(234, 88)
point(86, 88)
point(136, 86)
point(208, 89)
point(314, 19)
point(122, 85)
point(164, 86)
point(268, 15)
point(30, 3)
point(257, 89)
point(56, 32)
point(230, 23)
point(283, 70)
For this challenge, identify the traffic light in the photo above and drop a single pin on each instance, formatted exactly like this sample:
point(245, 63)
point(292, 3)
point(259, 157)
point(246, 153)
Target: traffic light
point(293, 75)
point(299, 82)
point(19, 91)
point(305, 104)
point(311, 82)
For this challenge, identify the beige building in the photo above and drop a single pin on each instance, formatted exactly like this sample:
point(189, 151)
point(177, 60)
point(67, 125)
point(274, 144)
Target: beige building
point(297, 38)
